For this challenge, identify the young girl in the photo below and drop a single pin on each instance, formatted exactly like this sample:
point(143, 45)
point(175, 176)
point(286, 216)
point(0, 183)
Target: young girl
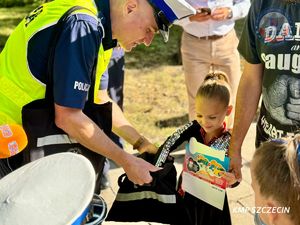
point(212, 106)
point(275, 176)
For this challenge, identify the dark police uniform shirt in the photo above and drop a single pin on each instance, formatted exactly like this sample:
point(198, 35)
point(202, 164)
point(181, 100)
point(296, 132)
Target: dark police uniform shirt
point(75, 55)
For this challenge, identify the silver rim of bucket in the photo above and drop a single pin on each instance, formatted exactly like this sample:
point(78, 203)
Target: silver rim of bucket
point(99, 207)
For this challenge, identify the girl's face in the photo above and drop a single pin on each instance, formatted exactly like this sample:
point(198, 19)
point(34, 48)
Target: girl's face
point(210, 113)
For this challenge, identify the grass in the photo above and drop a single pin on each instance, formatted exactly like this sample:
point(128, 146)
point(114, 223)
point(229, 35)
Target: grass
point(155, 100)
point(158, 53)
point(155, 94)
point(9, 18)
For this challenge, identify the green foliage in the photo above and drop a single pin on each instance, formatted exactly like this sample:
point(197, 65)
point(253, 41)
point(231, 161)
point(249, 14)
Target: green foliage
point(12, 3)
point(239, 26)
point(158, 53)
point(9, 18)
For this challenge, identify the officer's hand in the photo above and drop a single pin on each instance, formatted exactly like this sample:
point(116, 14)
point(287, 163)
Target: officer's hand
point(138, 170)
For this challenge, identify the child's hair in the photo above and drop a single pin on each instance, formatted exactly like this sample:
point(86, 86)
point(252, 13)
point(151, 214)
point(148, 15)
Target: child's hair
point(278, 174)
point(215, 85)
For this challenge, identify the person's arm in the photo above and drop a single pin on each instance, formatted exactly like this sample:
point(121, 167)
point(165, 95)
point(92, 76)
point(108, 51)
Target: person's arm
point(238, 10)
point(198, 17)
point(75, 123)
point(247, 100)
point(123, 128)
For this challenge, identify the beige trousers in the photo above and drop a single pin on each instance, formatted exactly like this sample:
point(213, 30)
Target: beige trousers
point(200, 57)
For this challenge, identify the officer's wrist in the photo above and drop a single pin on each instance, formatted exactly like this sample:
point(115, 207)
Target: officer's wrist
point(139, 142)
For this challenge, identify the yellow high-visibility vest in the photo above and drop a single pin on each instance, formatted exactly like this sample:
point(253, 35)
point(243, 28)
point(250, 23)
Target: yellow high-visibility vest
point(18, 86)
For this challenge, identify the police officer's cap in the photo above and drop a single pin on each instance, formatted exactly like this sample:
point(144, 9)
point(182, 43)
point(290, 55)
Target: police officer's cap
point(167, 11)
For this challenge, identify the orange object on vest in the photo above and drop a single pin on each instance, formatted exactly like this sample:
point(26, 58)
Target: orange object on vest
point(13, 140)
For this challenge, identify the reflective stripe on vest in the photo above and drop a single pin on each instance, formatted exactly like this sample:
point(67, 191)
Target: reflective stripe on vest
point(124, 197)
point(55, 140)
point(17, 85)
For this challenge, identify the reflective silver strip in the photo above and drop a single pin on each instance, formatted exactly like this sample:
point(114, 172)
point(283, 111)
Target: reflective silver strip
point(54, 140)
point(123, 197)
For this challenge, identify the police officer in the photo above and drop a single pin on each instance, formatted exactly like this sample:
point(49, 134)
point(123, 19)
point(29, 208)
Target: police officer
point(85, 43)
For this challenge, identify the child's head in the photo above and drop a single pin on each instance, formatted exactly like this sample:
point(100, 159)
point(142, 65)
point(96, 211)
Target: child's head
point(276, 180)
point(213, 101)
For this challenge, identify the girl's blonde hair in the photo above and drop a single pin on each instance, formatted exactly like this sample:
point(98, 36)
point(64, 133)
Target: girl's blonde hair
point(277, 172)
point(215, 85)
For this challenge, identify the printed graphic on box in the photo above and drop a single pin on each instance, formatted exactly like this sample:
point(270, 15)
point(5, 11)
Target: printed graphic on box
point(202, 173)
